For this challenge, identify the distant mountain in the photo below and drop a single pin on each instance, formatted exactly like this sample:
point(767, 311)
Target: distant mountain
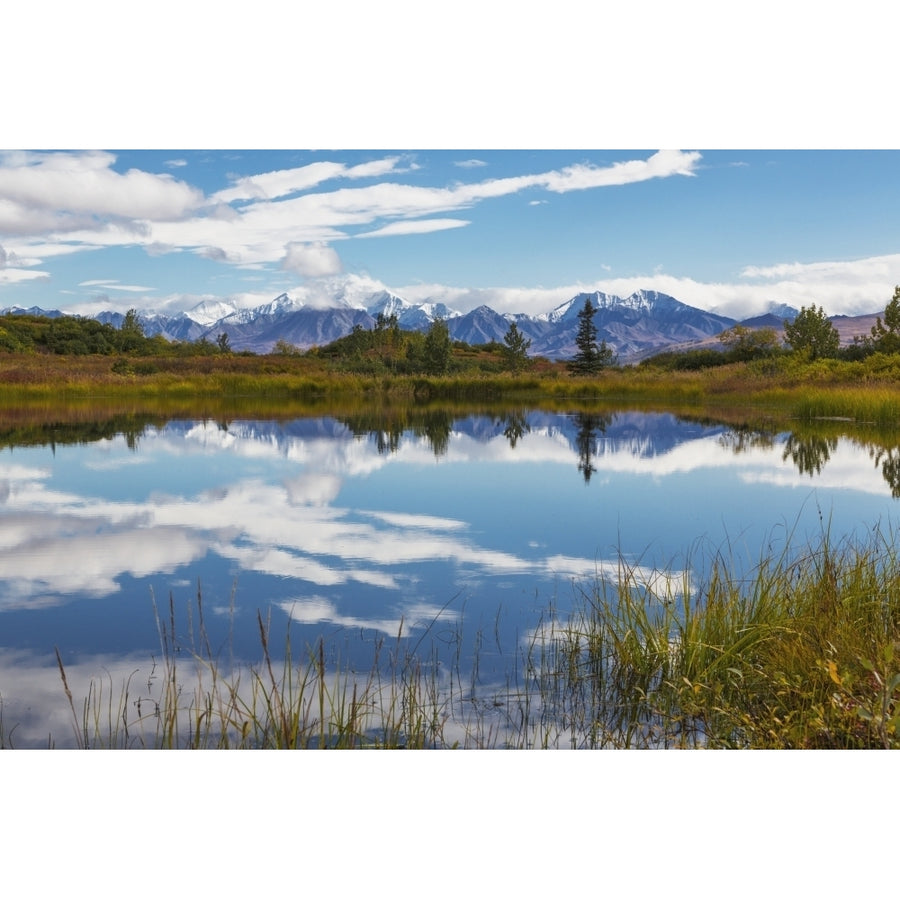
point(33, 311)
point(637, 326)
point(303, 328)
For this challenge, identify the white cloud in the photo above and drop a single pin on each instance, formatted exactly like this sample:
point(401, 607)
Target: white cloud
point(416, 226)
point(61, 203)
point(842, 288)
point(311, 260)
point(68, 202)
point(13, 276)
point(113, 285)
point(470, 163)
point(272, 185)
point(62, 192)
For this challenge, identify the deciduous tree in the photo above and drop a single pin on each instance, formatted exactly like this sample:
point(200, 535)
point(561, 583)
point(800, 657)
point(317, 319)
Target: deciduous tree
point(745, 343)
point(886, 333)
point(437, 348)
point(812, 333)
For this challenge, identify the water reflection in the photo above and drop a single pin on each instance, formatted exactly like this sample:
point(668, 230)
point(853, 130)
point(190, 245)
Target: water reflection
point(889, 460)
point(590, 427)
point(809, 453)
point(361, 524)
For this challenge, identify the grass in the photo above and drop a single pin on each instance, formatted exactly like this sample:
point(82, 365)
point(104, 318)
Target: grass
point(867, 390)
point(802, 652)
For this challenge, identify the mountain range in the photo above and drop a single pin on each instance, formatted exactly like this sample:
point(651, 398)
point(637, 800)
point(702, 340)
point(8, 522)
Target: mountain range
point(637, 326)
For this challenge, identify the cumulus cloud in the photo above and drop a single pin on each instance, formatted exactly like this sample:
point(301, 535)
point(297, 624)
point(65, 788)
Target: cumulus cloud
point(65, 202)
point(311, 260)
point(61, 192)
point(842, 288)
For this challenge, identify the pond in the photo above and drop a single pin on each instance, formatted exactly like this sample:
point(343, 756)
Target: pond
point(458, 535)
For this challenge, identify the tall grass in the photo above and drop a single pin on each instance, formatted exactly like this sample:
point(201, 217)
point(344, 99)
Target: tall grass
point(800, 654)
point(867, 390)
point(803, 651)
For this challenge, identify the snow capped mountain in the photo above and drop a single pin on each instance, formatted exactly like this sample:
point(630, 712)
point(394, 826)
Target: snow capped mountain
point(388, 304)
point(639, 301)
point(208, 312)
point(782, 310)
point(650, 302)
point(281, 304)
point(636, 326)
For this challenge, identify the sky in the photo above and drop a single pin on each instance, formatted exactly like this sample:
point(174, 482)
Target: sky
point(520, 230)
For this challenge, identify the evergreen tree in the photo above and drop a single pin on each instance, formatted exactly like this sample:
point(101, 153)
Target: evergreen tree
point(591, 357)
point(516, 349)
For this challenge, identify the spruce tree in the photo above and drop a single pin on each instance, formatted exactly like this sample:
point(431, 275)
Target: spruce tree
point(591, 357)
point(516, 347)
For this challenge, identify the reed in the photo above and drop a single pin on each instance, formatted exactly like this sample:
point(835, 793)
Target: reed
point(801, 651)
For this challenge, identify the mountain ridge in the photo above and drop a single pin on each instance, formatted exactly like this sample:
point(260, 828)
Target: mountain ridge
point(637, 326)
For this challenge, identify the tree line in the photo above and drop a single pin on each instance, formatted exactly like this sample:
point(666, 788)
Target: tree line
point(83, 336)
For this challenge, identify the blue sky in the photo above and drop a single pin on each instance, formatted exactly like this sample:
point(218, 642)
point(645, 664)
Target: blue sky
point(521, 230)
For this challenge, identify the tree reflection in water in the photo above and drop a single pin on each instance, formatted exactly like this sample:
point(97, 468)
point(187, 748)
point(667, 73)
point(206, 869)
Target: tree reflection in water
point(889, 460)
point(808, 452)
point(590, 427)
point(515, 426)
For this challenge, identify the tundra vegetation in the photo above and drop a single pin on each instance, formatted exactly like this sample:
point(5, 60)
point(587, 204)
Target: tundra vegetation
point(802, 653)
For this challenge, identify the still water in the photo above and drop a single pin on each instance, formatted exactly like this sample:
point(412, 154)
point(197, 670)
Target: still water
point(462, 528)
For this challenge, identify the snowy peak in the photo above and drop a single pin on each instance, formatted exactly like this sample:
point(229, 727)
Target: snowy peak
point(208, 312)
point(650, 302)
point(280, 305)
point(782, 310)
point(387, 304)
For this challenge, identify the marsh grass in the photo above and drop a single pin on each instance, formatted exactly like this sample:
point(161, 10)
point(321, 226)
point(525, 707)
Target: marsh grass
point(786, 387)
point(800, 654)
point(803, 651)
